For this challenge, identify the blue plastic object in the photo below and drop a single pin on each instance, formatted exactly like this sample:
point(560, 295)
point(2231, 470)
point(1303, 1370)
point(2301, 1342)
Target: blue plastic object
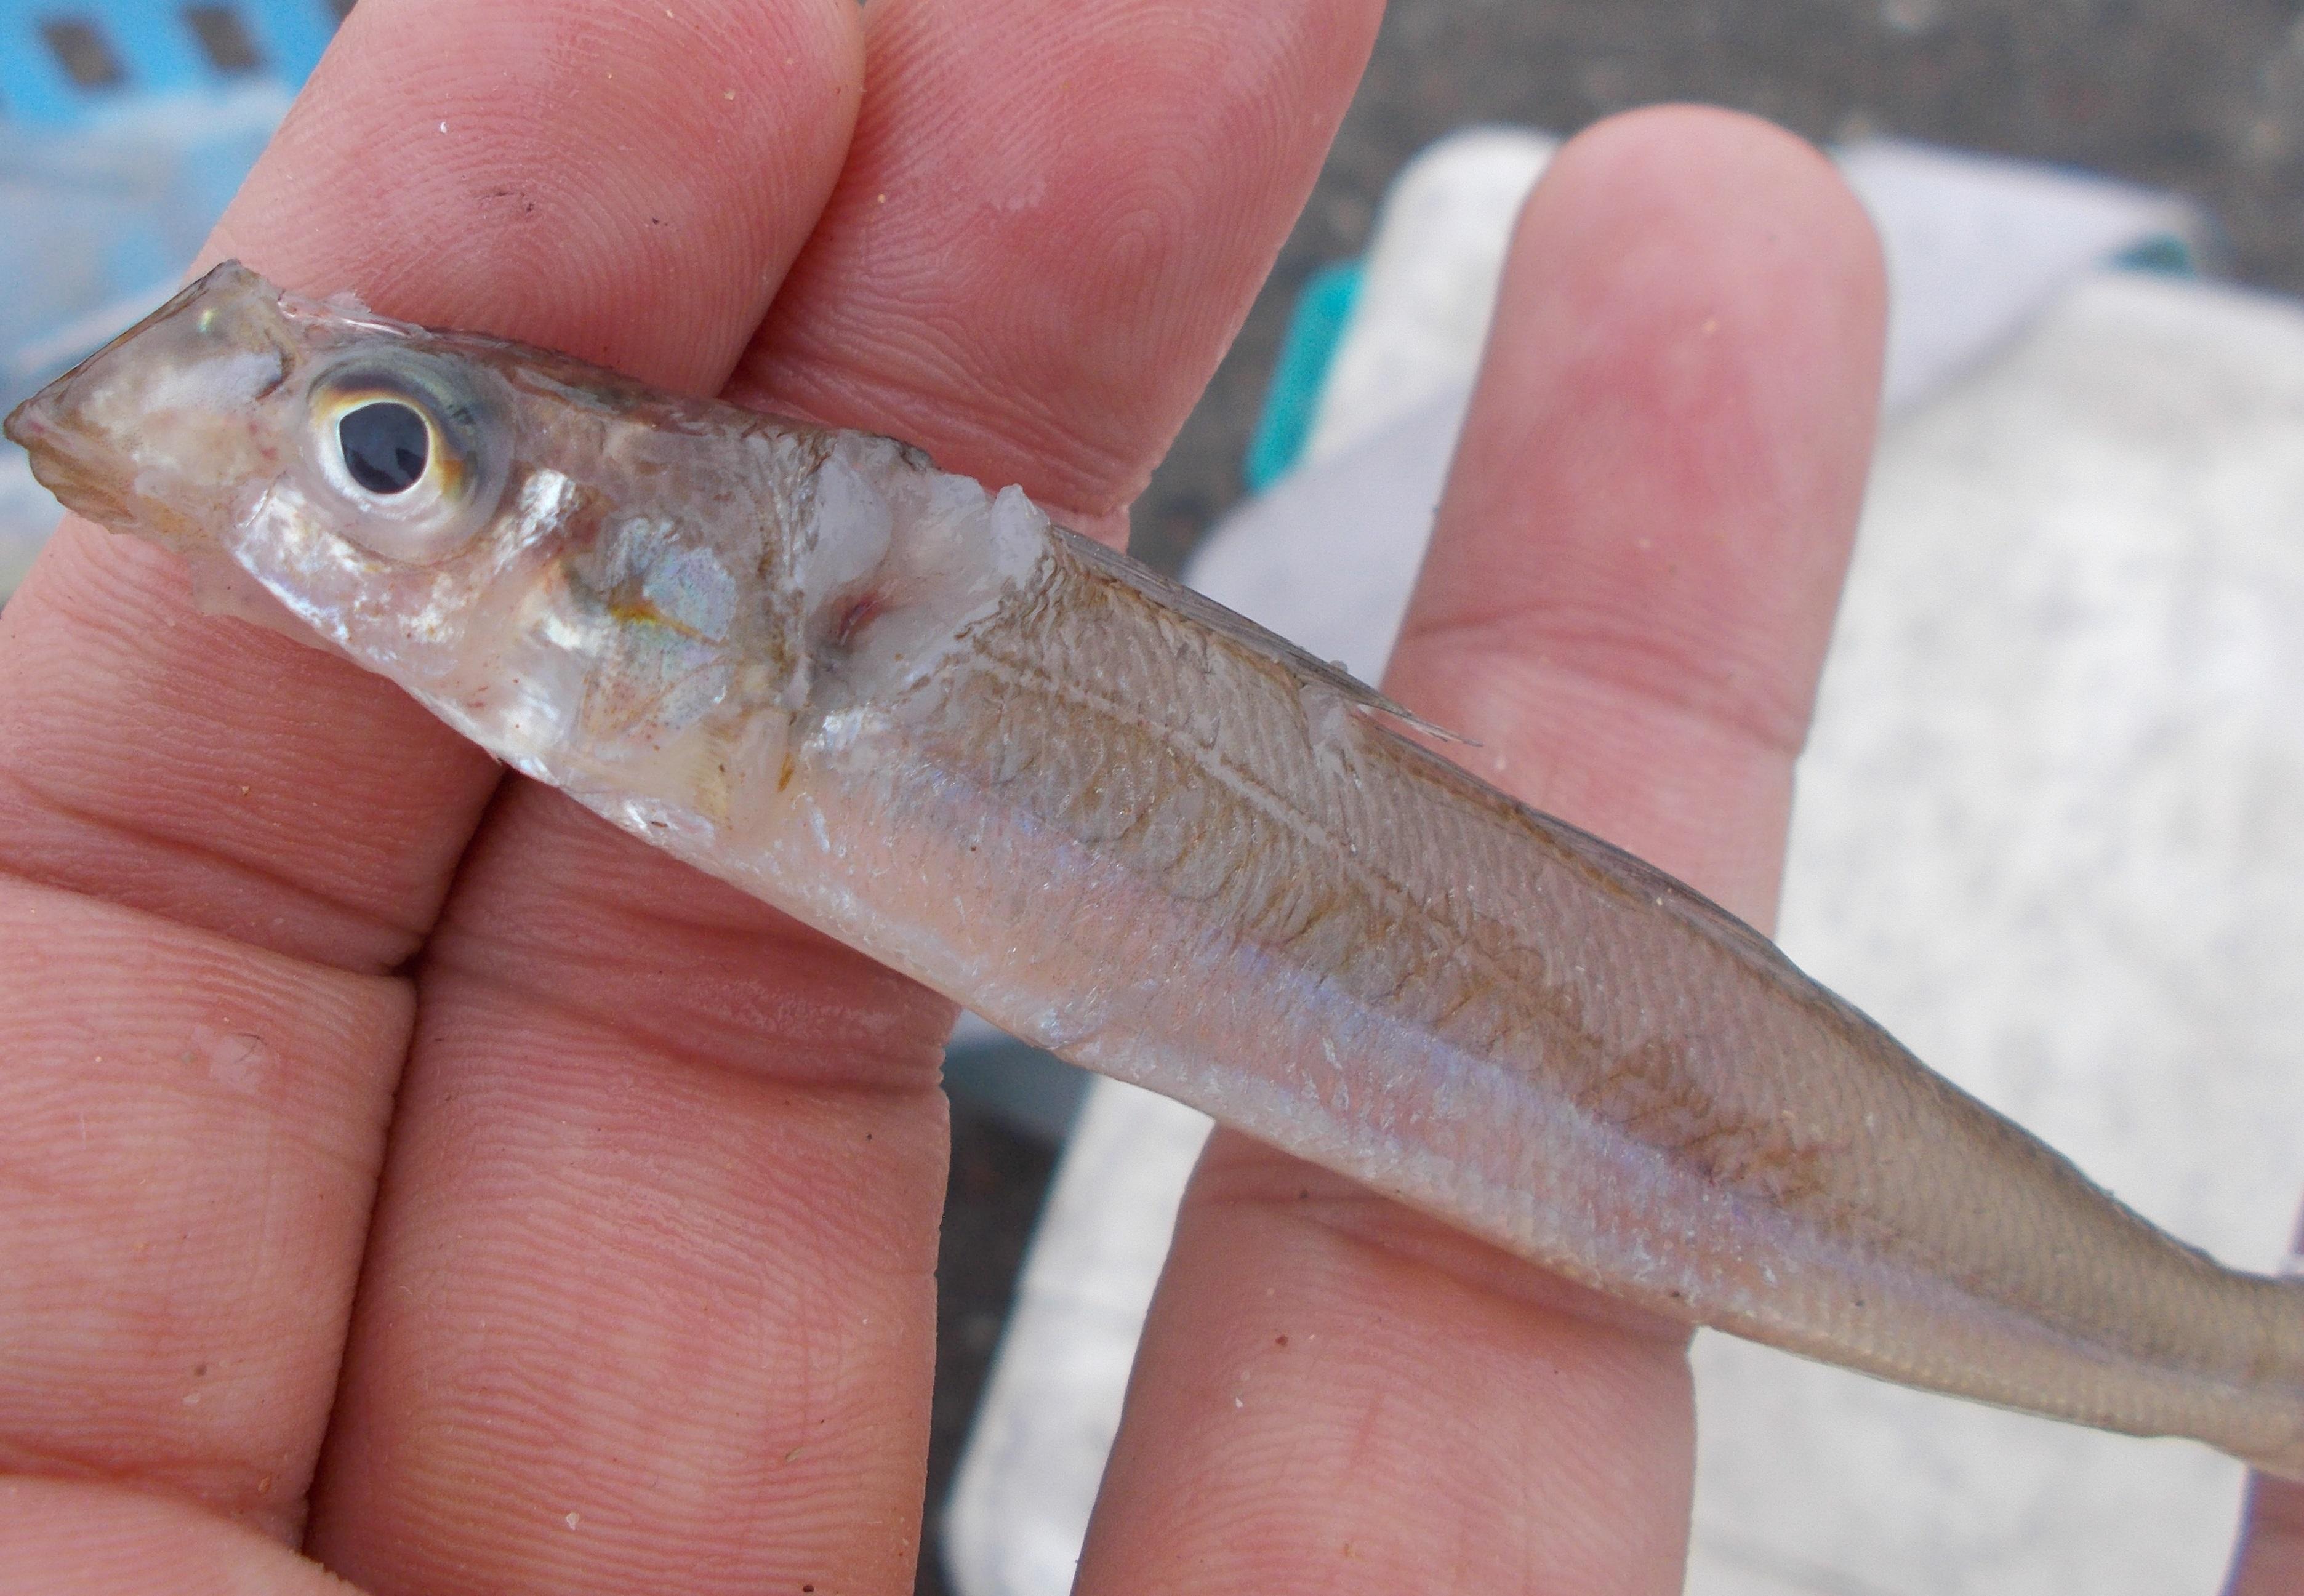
point(1323, 310)
point(74, 63)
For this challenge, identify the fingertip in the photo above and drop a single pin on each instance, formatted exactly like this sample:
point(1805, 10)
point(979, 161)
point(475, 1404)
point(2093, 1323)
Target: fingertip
point(1648, 518)
point(1710, 150)
point(1679, 220)
point(623, 180)
point(1053, 222)
point(1753, 194)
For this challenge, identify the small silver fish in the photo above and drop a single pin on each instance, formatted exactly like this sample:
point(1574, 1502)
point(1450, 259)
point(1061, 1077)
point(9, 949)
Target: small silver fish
point(1127, 824)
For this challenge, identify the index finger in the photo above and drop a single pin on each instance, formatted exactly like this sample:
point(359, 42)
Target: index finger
point(216, 845)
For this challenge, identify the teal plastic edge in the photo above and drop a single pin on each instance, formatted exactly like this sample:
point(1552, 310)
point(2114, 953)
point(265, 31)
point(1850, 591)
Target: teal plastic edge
point(2165, 254)
point(1315, 327)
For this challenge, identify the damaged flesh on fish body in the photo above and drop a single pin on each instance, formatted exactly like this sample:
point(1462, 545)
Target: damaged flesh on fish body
point(1137, 829)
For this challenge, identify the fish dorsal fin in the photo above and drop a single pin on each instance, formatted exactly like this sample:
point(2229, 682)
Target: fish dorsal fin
point(1305, 666)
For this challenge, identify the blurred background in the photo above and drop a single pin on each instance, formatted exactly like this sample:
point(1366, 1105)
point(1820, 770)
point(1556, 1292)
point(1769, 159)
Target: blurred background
point(126, 124)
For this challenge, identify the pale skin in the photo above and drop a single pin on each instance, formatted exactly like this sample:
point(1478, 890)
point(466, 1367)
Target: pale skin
point(408, 1178)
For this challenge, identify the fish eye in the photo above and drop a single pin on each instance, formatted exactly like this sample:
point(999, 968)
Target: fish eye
point(385, 445)
point(411, 444)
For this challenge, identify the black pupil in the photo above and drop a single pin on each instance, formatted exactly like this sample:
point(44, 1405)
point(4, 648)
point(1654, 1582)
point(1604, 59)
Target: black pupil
point(385, 445)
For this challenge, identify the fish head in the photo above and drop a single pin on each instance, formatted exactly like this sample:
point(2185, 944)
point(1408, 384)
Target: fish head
point(240, 425)
point(537, 549)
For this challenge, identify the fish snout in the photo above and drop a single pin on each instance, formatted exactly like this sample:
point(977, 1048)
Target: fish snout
point(154, 430)
point(48, 427)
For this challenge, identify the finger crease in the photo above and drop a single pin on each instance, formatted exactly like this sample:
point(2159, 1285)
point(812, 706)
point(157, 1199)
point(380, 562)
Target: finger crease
point(363, 927)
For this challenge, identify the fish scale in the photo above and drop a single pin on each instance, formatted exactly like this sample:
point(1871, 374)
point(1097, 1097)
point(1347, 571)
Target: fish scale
point(1121, 821)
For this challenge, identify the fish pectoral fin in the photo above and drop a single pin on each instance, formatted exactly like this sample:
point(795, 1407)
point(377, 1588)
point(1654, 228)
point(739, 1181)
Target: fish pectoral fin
point(1310, 668)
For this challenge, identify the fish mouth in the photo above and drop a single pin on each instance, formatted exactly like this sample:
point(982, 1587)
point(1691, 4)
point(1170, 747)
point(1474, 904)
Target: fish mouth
point(31, 424)
point(40, 427)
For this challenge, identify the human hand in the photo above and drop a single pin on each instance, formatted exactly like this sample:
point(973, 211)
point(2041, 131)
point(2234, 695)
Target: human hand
point(2270, 1558)
point(406, 1168)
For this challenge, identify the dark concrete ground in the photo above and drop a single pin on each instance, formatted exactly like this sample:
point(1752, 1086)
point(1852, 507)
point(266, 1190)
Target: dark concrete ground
point(2202, 96)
